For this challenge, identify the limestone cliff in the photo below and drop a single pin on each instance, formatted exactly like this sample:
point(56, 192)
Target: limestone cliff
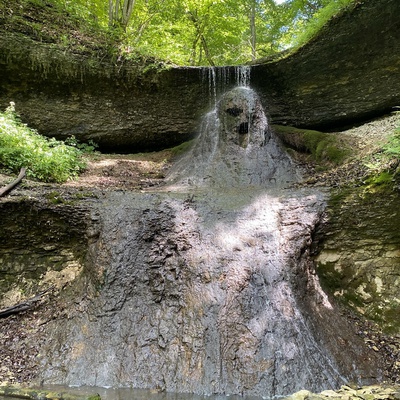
point(349, 72)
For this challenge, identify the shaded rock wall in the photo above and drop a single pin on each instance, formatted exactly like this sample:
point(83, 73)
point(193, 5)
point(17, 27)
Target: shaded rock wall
point(360, 256)
point(349, 72)
point(107, 103)
point(41, 244)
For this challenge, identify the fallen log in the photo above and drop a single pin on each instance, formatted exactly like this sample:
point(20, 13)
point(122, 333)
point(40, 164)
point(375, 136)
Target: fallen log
point(25, 305)
point(12, 185)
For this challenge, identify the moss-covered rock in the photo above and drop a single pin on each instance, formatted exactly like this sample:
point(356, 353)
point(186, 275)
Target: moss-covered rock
point(325, 148)
point(18, 392)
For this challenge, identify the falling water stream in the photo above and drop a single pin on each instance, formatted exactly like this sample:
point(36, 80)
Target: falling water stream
point(206, 286)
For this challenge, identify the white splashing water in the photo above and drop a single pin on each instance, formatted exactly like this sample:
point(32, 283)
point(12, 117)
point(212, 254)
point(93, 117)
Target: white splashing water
point(243, 75)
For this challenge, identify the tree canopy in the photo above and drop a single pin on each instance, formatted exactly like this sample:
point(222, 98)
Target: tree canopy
point(204, 32)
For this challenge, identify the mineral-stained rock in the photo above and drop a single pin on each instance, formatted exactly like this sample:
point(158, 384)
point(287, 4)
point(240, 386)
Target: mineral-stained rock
point(360, 255)
point(41, 394)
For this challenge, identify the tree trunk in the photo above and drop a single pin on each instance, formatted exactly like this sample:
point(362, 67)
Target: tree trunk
point(110, 13)
point(120, 13)
point(200, 26)
point(127, 12)
point(253, 37)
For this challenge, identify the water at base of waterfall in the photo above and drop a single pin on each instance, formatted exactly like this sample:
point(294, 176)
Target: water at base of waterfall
point(141, 394)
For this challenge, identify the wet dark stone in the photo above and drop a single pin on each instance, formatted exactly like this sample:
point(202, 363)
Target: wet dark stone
point(243, 128)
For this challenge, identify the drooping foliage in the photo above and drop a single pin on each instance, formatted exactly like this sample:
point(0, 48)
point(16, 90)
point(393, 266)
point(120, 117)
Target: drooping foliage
point(203, 32)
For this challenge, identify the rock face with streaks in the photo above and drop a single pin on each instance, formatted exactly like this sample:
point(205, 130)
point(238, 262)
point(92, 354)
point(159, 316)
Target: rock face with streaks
point(210, 289)
point(359, 255)
point(207, 294)
point(236, 147)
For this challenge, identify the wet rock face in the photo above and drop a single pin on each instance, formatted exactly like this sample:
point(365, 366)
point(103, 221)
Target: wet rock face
point(202, 293)
point(235, 147)
point(242, 118)
point(210, 289)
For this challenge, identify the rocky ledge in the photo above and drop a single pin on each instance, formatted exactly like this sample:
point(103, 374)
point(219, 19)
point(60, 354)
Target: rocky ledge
point(351, 393)
point(348, 72)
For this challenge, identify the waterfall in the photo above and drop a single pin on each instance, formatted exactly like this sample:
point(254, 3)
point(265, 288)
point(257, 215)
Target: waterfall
point(243, 75)
point(218, 79)
point(207, 285)
point(236, 146)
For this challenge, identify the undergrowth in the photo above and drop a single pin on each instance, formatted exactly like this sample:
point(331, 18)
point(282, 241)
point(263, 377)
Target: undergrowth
point(65, 44)
point(384, 165)
point(47, 160)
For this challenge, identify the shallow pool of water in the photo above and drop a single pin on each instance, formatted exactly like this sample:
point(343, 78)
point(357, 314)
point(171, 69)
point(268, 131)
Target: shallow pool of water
point(141, 394)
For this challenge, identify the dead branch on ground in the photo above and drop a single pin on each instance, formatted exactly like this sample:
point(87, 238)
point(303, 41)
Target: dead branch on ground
point(13, 184)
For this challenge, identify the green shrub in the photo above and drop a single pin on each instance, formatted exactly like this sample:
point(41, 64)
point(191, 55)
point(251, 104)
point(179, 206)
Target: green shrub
point(47, 160)
point(392, 147)
point(384, 165)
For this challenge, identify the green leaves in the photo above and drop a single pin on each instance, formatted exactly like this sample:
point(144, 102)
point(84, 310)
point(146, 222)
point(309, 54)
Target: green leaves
point(186, 32)
point(225, 32)
point(48, 160)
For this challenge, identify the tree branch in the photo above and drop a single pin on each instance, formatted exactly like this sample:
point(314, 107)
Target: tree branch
point(25, 305)
point(12, 185)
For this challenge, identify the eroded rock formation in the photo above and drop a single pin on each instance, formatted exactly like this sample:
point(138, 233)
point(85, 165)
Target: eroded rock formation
point(348, 72)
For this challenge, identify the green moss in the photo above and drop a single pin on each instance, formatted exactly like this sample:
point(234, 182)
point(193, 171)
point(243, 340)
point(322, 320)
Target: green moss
point(391, 318)
point(84, 195)
point(182, 148)
point(384, 165)
point(321, 20)
point(350, 298)
point(36, 394)
point(331, 280)
point(324, 148)
point(55, 198)
point(383, 178)
point(364, 230)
